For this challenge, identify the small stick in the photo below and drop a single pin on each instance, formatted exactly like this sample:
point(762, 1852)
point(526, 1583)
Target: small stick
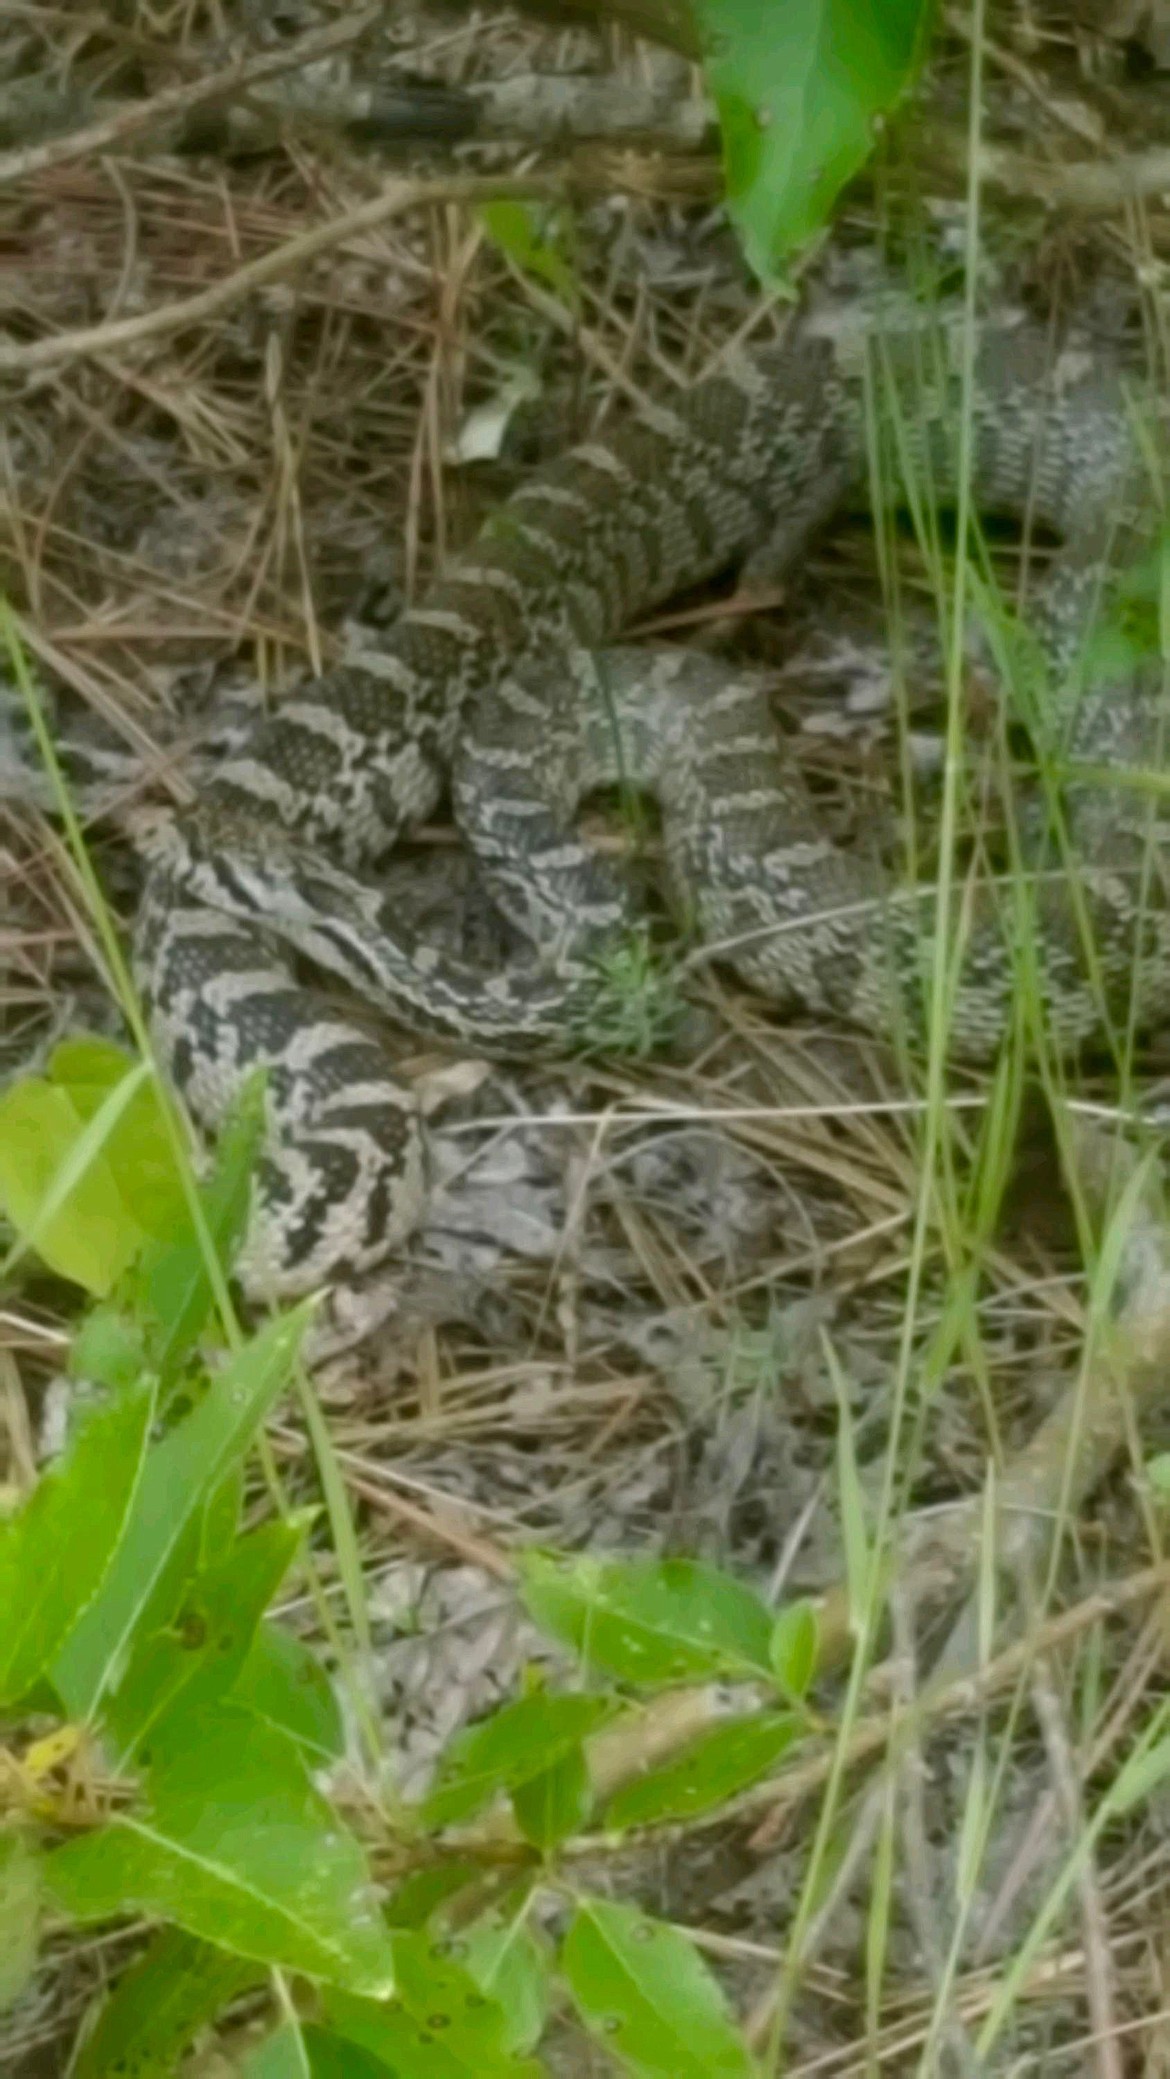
point(1090, 185)
point(278, 261)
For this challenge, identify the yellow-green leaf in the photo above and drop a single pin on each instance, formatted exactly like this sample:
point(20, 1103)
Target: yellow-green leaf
point(87, 1173)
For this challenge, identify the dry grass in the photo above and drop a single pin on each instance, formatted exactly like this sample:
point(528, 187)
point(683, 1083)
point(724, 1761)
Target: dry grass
point(712, 1240)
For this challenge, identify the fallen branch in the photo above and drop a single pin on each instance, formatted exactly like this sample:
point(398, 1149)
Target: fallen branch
point(1090, 186)
point(115, 130)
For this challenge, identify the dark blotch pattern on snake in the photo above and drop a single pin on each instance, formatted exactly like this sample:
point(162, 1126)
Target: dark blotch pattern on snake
point(502, 679)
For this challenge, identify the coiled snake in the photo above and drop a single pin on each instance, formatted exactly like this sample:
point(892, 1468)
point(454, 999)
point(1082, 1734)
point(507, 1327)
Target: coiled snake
point(500, 678)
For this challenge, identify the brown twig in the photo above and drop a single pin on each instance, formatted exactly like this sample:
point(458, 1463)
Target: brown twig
point(1090, 186)
point(952, 1699)
point(279, 261)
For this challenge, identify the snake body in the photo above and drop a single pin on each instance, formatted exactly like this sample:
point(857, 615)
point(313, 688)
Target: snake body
point(502, 678)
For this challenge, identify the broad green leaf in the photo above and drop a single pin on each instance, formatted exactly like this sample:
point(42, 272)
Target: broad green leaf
point(89, 1068)
point(422, 1896)
point(399, 2043)
point(707, 1773)
point(174, 1282)
point(198, 1657)
point(513, 1745)
point(652, 1622)
point(432, 1979)
point(331, 2057)
point(236, 1846)
point(440, 2025)
point(511, 1965)
point(552, 1806)
point(803, 88)
point(644, 1992)
point(141, 1150)
point(20, 1914)
point(62, 1179)
point(174, 1989)
point(56, 1553)
point(179, 1475)
point(287, 1687)
point(282, 2055)
point(794, 1649)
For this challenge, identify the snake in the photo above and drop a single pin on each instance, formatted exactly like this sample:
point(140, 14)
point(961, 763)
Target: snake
point(508, 684)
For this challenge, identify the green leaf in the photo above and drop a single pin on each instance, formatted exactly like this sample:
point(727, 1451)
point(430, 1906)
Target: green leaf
point(514, 1744)
point(198, 1657)
point(422, 1896)
point(142, 1149)
point(331, 2057)
point(173, 1286)
point(20, 1916)
point(652, 1622)
point(706, 1773)
point(285, 1684)
point(552, 1806)
point(433, 1980)
point(284, 2054)
point(643, 1991)
point(87, 1161)
point(439, 2026)
point(802, 87)
point(57, 1552)
point(795, 1647)
point(237, 1847)
point(175, 1988)
point(80, 1176)
point(221, 1516)
point(179, 1475)
point(509, 1963)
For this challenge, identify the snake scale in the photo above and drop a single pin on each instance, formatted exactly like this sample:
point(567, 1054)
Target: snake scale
point(501, 680)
